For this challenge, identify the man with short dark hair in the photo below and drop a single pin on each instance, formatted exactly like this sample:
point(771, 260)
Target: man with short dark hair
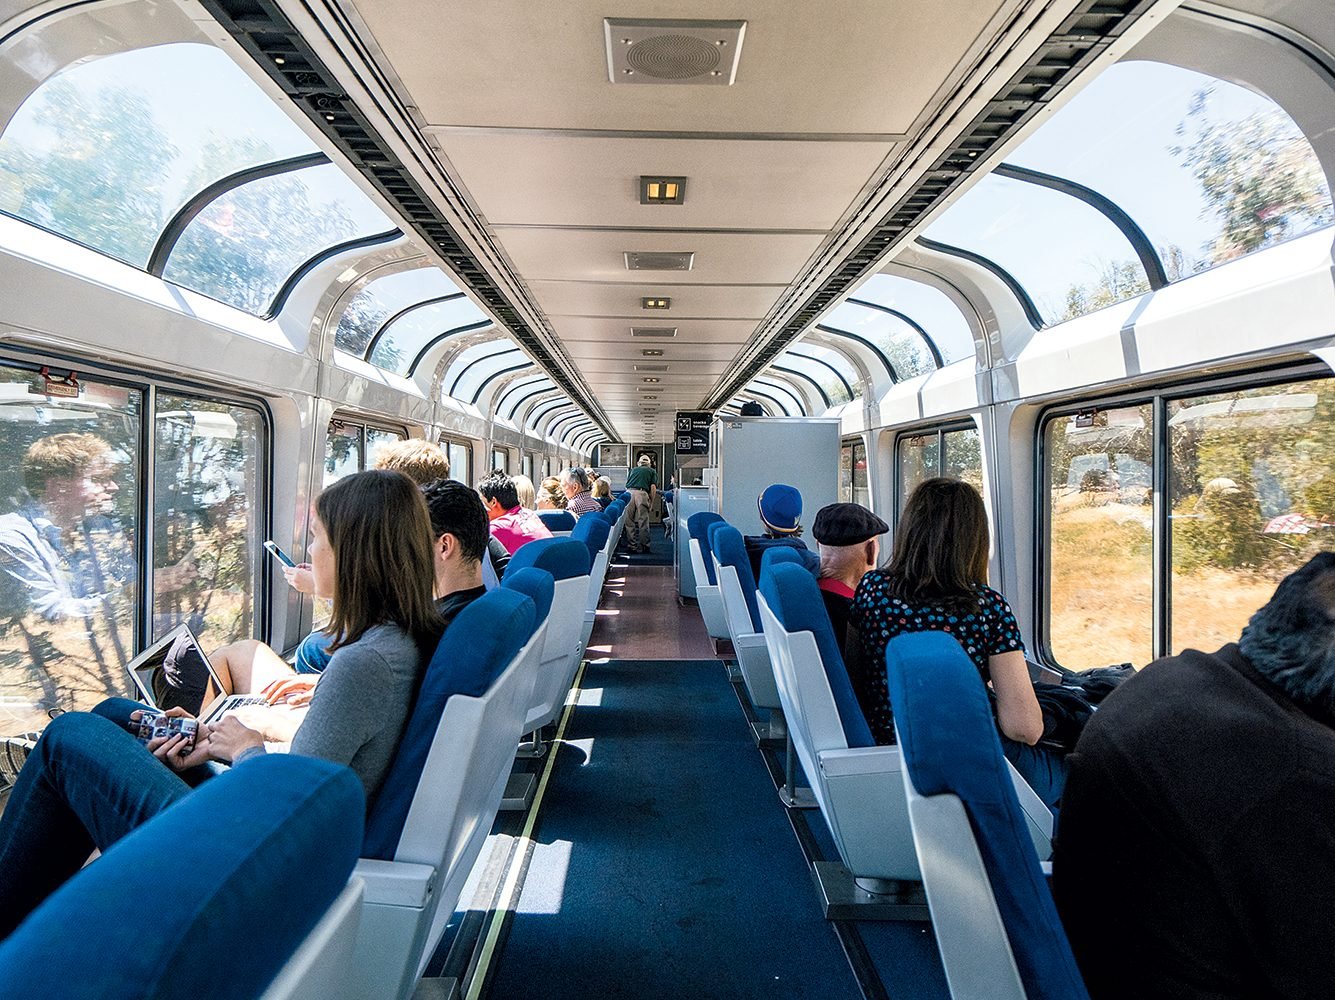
point(511, 524)
point(847, 534)
point(1196, 857)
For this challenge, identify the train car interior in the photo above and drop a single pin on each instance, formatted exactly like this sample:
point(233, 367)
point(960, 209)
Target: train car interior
point(1075, 254)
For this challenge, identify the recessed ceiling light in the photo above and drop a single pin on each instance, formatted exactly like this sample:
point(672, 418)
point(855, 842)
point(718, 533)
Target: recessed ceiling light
point(662, 332)
point(655, 302)
point(662, 190)
point(659, 260)
point(649, 380)
point(650, 352)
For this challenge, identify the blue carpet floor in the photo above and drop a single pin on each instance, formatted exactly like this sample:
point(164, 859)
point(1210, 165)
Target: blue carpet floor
point(665, 866)
point(659, 554)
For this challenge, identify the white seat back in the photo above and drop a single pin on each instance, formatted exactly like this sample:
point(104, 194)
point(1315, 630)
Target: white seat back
point(748, 644)
point(707, 595)
point(320, 969)
point(560, 652)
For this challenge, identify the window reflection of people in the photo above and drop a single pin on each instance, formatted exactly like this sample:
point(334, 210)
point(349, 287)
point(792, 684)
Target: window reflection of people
point(49, 563)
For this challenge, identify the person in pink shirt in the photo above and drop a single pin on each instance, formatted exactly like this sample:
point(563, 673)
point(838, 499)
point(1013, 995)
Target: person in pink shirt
point(511, 524)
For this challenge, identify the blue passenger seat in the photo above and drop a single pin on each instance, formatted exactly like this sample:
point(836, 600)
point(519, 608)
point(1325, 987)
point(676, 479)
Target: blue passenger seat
point(209, 899)
point(995, 920)
point(557, 520)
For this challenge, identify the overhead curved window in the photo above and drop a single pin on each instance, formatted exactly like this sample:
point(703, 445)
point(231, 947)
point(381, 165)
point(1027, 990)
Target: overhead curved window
point(1068, 256)
point(784, 393)
point(241, 248)
point(381, 299)
point(397, 344)
point(832, 368)
point(107, 151)
point(475, 373)
point(813, 375)
point(930, 308)
point(1208, 169)
point(901, 343)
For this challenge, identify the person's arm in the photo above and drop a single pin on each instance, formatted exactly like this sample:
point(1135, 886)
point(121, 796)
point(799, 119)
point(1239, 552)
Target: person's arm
point(28, 574)
point(1018, 714)
point(343, 716)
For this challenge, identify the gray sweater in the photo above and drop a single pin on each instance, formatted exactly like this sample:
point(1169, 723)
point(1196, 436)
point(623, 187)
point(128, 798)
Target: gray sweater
point(360, 707)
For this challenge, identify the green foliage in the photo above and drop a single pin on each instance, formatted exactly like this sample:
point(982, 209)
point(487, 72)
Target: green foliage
point(1117, 280)
point(1260, 177)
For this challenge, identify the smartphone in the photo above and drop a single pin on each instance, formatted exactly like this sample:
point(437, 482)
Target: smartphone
point(278, 553)
point(154, 725)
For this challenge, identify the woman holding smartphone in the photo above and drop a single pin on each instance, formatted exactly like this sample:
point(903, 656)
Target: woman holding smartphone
point(88, 782)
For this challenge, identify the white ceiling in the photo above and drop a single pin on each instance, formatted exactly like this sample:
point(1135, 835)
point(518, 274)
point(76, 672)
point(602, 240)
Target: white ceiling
point(517, 101)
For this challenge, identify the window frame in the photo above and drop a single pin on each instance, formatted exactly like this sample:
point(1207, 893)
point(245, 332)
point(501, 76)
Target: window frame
point(25, 359)
point(1157, 396)
point(922, 430)
point(445, 441)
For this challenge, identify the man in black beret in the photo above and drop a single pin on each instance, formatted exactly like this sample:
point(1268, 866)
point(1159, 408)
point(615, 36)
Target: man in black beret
point(847, 534)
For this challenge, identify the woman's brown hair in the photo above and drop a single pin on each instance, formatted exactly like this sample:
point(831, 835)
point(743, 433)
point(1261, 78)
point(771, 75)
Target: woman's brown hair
point(941, 544)
point(384, 565)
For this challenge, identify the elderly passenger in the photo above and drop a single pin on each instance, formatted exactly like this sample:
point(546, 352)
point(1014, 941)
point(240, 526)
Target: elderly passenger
point(575, 485)
point(848, 537)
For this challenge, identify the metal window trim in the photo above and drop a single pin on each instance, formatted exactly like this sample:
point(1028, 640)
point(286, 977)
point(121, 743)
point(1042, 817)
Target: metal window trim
point(909, 321)
point(526, 363)
point(1000, 273)
point(383, 329)
point(544, 425)
point(1109, 209)
point(784, 377)
point(577, 416)
point(533, 420)
point(506, 347)
point(752, 391)
point(566, 437)
point(289, 285)
point(781, 388)
point(522, 412)
point(820, 391)
point(848, 386)
point(880, 355)
point(455, 332)
point(520, 386)
point(180, 222)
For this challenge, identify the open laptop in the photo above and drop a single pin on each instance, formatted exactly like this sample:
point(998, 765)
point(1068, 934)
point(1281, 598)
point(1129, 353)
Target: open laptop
point(174, 672)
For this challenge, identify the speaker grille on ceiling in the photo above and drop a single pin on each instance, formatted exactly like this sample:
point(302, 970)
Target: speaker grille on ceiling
point(653, 331)
point(651, 260)
point(669, 50)
point(651, 368)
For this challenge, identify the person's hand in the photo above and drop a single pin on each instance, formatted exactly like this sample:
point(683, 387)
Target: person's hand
point(176, 751)
point(291, 691)
point(275, 725)
point(227, 738)
point(300, 578)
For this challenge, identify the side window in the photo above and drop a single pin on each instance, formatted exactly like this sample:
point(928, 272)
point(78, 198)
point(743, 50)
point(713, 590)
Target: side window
point(345, 451)
point(1100, 560)
point(526, 464)
point(375, 437)
point(853, 473)
point(69, 590)
point(1252, 497)
point(917, 457)
point(500, 459)
point(962, 456)
point(207, 516)
point(460, 456)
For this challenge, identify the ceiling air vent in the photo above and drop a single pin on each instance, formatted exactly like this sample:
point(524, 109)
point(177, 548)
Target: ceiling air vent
point(653, 331)
point(654, 50)
point(651, 368)
point(650, 260)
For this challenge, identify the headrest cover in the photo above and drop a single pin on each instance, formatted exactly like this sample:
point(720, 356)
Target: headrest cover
point(781, 508)
point(536, 583)
point(561, 557)
point(846, 524)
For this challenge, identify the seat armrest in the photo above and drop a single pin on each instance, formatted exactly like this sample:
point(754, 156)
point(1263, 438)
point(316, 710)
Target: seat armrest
point(394, 883)
point(862, 760)
point(749, 640)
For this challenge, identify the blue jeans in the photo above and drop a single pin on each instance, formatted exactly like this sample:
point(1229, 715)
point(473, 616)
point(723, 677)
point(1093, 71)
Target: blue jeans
point(86, 784)
point(1044, 770)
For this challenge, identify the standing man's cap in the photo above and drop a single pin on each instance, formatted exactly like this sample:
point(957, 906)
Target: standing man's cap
point(846, 524)
point(781, 508)
point(645, 460)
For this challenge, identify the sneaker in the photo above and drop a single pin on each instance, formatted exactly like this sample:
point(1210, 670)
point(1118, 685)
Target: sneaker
point(14, 752)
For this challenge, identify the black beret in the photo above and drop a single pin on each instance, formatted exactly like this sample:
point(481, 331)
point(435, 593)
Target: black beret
point(846, 524)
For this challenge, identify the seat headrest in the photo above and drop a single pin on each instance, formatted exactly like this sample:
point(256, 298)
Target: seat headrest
point(557, 520)
point(154, 911)
point(949, 744)
point(777, 554)
point(536, 583)
point(561, 557)
point(477, 647)
point(592, 530)
point(697, 526)
point(730, 550)
point(792, 594)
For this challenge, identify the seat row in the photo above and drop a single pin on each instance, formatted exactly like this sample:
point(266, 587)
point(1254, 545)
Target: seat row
point(302, 892)
point(962, 822)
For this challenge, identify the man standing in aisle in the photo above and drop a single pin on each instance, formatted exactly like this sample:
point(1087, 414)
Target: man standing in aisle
point(643, 485)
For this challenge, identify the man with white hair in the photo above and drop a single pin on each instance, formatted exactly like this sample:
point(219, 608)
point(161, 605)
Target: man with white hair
point(643, 485)
point(1197, 848)
point(849, 538)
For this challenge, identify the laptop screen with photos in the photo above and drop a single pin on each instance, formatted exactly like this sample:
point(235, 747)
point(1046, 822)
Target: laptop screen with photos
point(174, 673)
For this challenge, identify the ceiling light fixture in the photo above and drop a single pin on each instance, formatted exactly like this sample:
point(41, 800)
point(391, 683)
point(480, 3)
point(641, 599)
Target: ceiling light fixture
point(652, 302)
point(649, 380)
point(653, 331)
point(659, 260)
point(662, 190)
point(650, 352)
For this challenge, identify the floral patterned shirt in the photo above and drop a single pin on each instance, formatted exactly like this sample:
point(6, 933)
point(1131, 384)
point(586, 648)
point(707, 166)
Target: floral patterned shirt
point(877, 617)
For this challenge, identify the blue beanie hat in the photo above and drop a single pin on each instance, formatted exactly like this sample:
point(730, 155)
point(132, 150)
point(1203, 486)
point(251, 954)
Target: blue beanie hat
point(781, 508)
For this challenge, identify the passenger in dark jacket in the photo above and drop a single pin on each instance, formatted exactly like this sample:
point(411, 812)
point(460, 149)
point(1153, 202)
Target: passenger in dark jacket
point(1196, 857)
point(848, 535)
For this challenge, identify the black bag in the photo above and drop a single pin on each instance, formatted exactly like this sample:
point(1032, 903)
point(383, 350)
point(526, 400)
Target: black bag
point(1067, 706)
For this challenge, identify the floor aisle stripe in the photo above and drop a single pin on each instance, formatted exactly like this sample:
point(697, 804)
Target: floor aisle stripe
point(518, 863)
